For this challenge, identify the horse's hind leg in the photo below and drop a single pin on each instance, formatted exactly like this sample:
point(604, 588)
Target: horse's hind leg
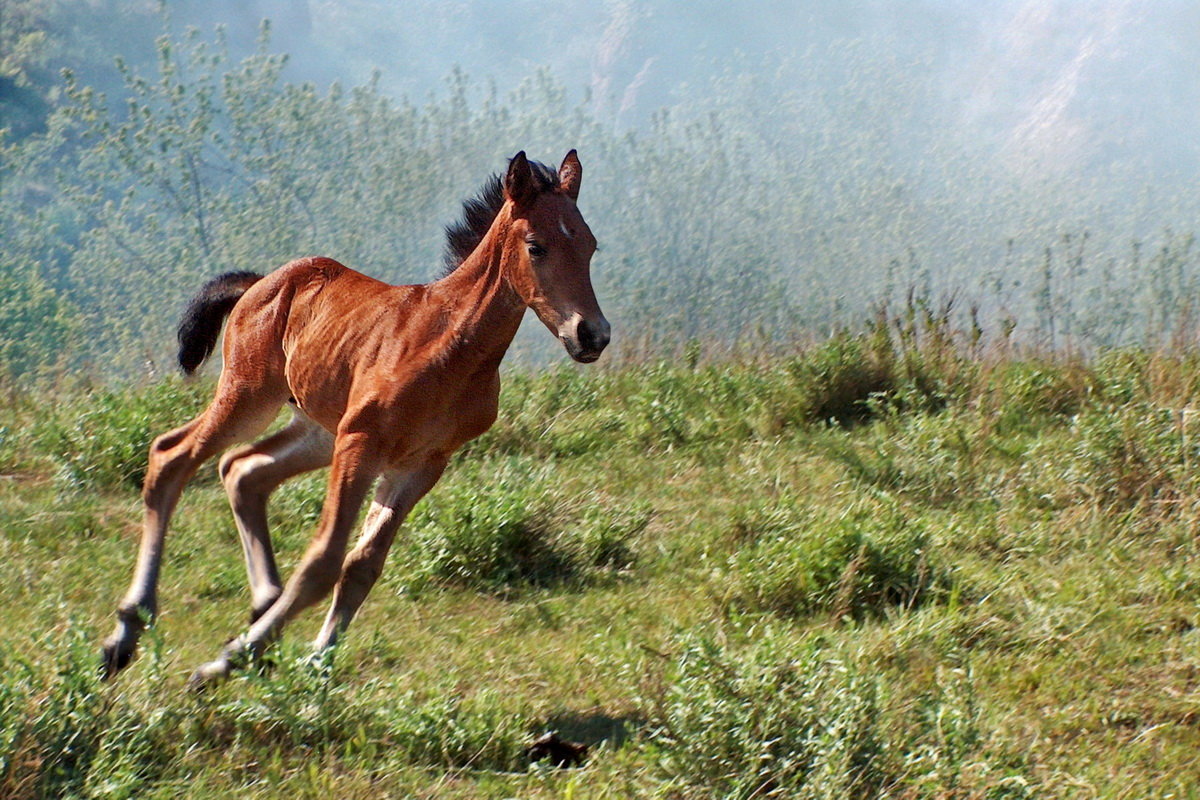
point(174, 458)
point(250, 474)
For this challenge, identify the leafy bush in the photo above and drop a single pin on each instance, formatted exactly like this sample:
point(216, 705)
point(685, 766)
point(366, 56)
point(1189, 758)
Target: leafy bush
point(506, 527)
point(104, 444)
point(796, 562)
point(773, 720)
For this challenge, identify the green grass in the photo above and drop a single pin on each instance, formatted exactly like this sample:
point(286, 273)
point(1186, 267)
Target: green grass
point(872, 568)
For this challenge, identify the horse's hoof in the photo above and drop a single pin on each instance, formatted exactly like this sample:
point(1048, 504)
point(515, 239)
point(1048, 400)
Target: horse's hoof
point(113, 659)
point(208, 675)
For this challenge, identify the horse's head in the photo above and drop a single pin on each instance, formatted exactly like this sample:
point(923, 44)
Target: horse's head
point(549, 249)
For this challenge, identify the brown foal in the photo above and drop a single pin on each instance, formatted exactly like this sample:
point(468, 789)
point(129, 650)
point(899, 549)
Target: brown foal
point(386, 382)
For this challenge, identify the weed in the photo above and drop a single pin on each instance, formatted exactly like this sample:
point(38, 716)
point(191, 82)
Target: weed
point(1134, 455)
point(503, 525)
point(797, 562)
point(774, 719)
point(952, 757)
point(102, 442)
point(1020, 396)
point(840, 378)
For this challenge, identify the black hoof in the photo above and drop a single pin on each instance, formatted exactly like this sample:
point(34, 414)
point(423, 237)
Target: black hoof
point(113, 659)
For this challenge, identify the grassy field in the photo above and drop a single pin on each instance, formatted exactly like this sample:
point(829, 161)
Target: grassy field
point(895, 564)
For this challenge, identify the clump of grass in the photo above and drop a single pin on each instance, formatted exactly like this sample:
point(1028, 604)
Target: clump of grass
point(292, 704)
point(938, 459)
point(1021, 395)
point(794, 561)
point(443, 728)
point(1122, 375)
point(62, 736)
point(560, 413)
point(504, 525)
point(775, 719)
point(50, 729)
point(947, 748)
point(841, 378)
point(914, 360)
point(1133, 455)
point(102, 442)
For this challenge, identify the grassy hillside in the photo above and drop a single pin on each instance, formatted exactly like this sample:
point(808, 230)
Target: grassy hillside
point(893, 564)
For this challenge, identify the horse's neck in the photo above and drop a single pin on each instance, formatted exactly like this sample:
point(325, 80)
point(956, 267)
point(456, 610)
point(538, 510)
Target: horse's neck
point(484, 310)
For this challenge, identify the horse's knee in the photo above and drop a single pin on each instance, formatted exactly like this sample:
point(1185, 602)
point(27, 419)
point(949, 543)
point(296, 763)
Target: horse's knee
point(228, 461)
point(361, 571)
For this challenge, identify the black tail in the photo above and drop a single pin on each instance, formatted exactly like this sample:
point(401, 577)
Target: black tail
point(201, 323)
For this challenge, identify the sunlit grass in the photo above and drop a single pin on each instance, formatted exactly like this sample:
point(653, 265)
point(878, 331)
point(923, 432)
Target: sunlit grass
point(991, 595)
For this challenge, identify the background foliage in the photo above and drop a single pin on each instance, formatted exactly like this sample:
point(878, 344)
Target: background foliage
point(778, 195)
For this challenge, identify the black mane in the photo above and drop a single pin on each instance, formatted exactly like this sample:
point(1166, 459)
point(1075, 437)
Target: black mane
point(463, 236)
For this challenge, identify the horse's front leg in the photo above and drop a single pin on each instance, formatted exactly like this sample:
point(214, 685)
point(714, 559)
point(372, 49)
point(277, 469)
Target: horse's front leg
point(395, 498)
point(353, 471)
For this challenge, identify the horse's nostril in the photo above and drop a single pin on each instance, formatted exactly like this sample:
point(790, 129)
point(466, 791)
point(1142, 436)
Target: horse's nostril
point(592, 338)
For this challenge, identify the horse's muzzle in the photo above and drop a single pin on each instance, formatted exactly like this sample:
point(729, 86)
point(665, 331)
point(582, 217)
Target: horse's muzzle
point(585, 339)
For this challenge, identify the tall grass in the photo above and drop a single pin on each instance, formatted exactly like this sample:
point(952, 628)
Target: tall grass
point(793, 560)
point(101, 440)
point(781, 719)
point(509, 526)
point(908, 561)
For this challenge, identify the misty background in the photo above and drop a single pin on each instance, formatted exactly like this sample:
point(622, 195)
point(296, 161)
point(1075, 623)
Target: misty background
point(754, 171)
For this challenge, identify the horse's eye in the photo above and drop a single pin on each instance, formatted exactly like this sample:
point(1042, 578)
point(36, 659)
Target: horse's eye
point(536, 250)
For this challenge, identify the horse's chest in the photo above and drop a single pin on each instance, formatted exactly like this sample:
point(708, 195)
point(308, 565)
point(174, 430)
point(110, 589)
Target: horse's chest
point(431, 415)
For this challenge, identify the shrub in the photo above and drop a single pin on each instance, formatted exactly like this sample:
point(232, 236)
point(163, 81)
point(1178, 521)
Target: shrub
point(774, 720)
point(505, 526)
point(796, 562)
point(104, 445)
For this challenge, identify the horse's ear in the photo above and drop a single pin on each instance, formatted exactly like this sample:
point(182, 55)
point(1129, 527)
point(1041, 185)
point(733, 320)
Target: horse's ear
point(570, 174)
point(519, 185)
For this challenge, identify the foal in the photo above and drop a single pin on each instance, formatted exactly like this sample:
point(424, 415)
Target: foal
point(386, 382)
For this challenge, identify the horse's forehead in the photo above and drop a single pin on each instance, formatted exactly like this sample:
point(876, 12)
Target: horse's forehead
point(561, 215)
